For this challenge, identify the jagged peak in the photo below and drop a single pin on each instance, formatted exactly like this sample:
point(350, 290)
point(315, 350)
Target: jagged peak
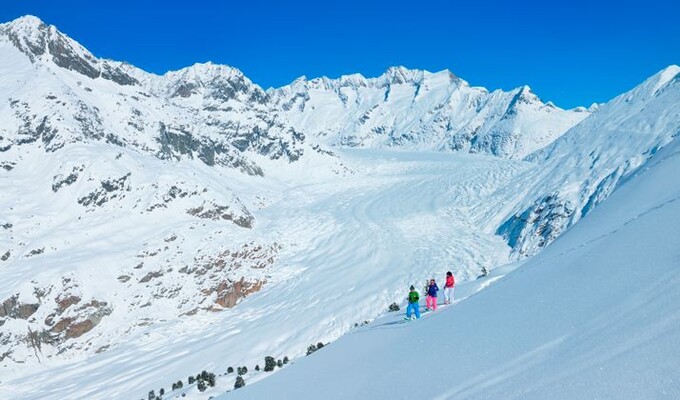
point(26, 22)
point(29, 34)
point(206, 69)
point(202, 74)
point(45, 43)
point(401, 74)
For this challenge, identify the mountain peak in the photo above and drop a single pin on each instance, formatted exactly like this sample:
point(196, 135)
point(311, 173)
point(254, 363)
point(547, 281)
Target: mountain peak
point(401, 74)
point(27, 21)
point(206, 70)
point(43, 43)
point(666, 75)
point(28, 33)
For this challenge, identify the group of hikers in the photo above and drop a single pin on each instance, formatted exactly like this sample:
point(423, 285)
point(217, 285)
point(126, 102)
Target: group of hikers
point(431, 290)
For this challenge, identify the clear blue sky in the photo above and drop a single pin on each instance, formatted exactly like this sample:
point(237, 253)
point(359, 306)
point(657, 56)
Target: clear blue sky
point(571, 52)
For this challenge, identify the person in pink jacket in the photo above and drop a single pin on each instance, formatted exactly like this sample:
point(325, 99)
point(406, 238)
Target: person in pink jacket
point(448, 288)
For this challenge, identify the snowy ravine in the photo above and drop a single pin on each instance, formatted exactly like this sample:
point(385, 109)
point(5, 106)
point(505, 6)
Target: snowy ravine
point(155, 226)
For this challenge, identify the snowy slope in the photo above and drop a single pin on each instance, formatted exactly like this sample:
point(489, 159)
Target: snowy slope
point(420, 110)
point(593, 316)
point(347, 247)
point(584, 166)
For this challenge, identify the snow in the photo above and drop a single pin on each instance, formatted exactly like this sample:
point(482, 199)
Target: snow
point(96, 202)
point(364, 236)
point(421, 110)
point(588, 162)
point(592, 316)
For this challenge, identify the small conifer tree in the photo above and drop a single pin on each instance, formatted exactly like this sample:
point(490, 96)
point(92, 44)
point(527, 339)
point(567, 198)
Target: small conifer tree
point(239, 383)
point(269, 364)
point(210, 379)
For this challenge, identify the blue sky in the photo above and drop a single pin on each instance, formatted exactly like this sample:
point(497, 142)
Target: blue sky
point(572, 52)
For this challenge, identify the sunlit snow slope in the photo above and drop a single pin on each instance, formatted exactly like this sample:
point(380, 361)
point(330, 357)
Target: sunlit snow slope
point(595, 315)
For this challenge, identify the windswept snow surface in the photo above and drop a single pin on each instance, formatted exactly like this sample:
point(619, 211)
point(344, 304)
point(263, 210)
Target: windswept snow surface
point(595, 315)
point(349, 247)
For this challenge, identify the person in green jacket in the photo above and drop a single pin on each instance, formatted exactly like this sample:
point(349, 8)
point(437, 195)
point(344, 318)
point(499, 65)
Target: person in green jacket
point(413, 305)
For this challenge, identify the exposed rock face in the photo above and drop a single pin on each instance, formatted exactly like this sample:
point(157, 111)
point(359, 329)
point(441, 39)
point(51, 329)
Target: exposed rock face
point(88, 316)
point(110, 189)
point(229, 293)
point(217, 212)
point(60, 180)
point(538, 225)
point(231, 276)
point(13, 309)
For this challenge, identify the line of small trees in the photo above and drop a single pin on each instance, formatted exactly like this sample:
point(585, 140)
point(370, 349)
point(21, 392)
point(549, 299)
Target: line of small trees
point(207, 379)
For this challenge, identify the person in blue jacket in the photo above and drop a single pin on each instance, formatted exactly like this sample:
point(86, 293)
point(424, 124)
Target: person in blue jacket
point(431, 301)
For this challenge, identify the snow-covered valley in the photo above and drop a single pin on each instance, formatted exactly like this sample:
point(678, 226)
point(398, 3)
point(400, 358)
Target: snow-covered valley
point(152, 227)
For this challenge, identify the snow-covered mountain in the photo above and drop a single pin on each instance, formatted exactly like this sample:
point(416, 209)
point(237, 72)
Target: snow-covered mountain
point(59, 93)
point(419, 110)
point(585, 165)
point(155, 226)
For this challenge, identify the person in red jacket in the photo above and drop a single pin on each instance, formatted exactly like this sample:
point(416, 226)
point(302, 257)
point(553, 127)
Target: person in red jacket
point(448, 288)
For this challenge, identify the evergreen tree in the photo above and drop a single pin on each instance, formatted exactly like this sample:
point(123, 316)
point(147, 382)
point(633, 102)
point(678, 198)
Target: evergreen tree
point(210, 379)
point(257, 367)
point(152, 395)
point(279, 363)
point(230, 370)
point(311, 349)
point(191, 380)
point(201, 386)
point(269, 364)
point(285, 360)
point(239, 383)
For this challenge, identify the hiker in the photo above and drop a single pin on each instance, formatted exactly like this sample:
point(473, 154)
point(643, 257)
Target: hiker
point(432, 289)
point(413, 305)
point(448, 288)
